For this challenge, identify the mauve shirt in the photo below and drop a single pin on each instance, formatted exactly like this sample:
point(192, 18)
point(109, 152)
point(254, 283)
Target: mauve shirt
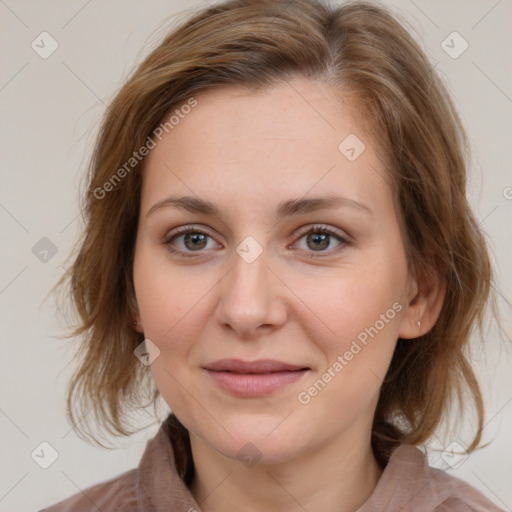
point(408, 484)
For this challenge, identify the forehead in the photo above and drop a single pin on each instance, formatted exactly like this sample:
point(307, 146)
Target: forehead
point(289, 139)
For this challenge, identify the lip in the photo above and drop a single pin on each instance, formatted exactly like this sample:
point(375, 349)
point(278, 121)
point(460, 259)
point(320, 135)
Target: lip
point(253, 378)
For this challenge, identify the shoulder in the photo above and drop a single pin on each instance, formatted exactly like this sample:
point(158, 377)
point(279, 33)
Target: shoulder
point(116, 494)
point(155, 482)
point(455, 495)
point(409, 484)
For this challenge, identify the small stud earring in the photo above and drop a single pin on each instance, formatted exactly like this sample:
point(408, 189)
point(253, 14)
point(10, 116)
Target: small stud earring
point(135, 322)
point(419, 324)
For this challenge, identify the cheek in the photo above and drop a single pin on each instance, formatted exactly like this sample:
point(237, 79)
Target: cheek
point(346, 303)
point(170, 309)
point(166, 296)
point(365, 322)
point(362, 309)
point(167, 305)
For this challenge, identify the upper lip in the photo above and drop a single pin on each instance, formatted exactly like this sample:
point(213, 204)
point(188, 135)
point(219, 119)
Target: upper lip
point(259, 366)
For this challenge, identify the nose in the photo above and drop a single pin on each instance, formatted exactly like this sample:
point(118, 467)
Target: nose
point(252, 298)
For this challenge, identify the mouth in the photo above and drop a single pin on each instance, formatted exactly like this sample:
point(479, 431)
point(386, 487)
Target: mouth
point(253, 378)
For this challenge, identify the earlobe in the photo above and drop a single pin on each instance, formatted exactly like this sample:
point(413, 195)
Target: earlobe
point(137, 326)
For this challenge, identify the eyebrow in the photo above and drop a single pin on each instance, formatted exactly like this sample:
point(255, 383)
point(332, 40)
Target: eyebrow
point(284, 209)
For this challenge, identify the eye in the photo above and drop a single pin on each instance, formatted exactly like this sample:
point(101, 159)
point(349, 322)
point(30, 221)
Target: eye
point(319, 239)
point(188, 240)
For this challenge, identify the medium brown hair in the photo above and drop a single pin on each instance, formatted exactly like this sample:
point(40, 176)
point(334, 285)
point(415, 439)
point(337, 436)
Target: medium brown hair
point(363, 51)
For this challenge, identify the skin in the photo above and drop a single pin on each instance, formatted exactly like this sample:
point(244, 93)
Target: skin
point(246, 152)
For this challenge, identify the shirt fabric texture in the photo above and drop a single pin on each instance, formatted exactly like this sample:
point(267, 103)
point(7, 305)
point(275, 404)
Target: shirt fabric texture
point(408, 484)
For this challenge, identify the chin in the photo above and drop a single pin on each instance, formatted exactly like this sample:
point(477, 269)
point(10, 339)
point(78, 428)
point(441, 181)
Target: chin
point(258, 440)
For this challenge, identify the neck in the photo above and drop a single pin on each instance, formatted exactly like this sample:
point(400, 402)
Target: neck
point(337, 477)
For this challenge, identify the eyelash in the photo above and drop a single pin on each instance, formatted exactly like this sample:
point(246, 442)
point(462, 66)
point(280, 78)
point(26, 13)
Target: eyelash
point(317, 229)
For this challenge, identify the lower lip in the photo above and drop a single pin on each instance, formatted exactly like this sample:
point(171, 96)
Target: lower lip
point(254, 384)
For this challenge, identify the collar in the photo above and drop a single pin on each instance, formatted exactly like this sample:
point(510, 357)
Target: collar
point(166, 469)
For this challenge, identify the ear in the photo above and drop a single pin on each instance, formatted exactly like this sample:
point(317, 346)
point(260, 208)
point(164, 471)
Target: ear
point(424, 303)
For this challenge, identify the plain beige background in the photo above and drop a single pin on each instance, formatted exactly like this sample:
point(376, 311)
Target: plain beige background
point(50, 111)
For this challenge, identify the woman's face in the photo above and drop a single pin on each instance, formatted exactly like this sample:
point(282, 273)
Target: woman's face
point(270, 331)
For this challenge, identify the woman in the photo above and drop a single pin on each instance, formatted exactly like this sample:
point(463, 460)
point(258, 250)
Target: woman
point(278, 238)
